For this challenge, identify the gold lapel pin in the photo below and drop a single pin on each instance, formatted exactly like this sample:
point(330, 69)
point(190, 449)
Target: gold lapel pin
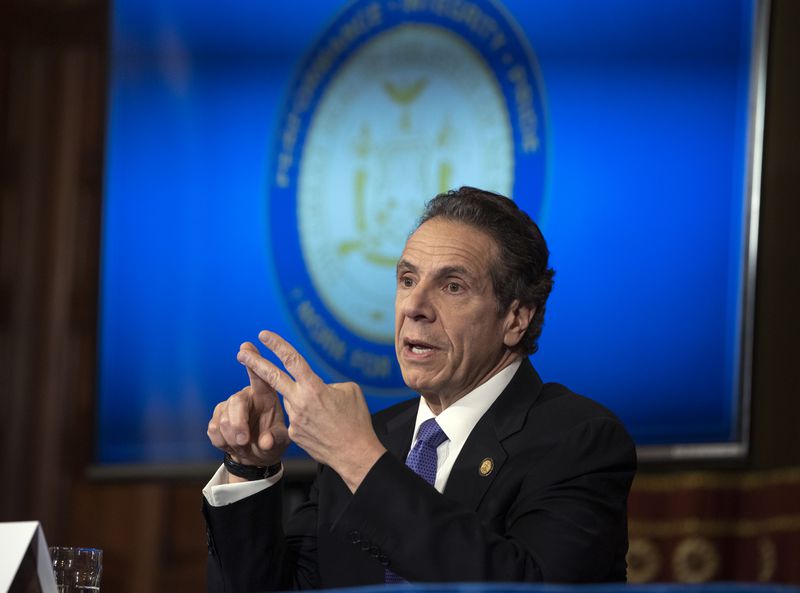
point(486, 467)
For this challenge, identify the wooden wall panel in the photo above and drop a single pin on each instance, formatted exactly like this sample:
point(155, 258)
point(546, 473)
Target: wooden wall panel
point(776, 380)
point(53, 68)
point(152, 534)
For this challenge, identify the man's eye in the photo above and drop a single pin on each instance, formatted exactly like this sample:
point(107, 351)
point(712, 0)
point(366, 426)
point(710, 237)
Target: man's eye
point(453, 287)
point(406, 282)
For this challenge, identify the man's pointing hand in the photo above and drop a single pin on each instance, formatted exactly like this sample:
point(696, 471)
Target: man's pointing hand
point(330, 422)
point(250, 425)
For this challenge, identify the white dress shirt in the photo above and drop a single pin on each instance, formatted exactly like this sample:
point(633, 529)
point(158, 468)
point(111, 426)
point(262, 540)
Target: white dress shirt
point(457, 422)
point(459, 418)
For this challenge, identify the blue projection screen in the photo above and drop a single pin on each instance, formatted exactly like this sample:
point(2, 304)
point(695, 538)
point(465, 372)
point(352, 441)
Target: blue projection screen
point(266, 161)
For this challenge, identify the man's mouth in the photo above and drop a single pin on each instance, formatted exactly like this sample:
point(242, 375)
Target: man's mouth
point(418, 346)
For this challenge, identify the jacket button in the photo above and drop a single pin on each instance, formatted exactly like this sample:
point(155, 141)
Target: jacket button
point(375, 551)
point(383, 559)
point(355, 537)
point(365, 545)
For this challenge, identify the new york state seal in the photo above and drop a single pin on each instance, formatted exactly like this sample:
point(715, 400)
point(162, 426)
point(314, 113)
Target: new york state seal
point(395, 102)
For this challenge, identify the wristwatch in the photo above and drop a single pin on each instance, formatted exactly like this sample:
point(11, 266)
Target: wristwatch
point(250, 472)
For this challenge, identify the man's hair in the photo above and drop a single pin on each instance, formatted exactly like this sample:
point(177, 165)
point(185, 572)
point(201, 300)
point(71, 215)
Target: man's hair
point(520, 271)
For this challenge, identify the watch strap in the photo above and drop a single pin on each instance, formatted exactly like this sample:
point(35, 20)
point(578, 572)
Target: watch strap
point(250, 472)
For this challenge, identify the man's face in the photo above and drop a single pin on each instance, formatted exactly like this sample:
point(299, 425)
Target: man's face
point(449, 337)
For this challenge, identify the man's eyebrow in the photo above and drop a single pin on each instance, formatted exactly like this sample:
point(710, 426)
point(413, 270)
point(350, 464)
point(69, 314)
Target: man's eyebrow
point(406, 266)
point(453, 271)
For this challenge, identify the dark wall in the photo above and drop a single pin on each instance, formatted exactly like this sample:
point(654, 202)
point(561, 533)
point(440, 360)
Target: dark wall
point(776, 361)
point(53, 77)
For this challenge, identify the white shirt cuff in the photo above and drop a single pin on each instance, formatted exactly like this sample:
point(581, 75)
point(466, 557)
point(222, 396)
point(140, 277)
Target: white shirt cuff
point(219, 493)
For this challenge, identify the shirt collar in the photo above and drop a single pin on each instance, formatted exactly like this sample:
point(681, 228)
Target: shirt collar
point(458, 419)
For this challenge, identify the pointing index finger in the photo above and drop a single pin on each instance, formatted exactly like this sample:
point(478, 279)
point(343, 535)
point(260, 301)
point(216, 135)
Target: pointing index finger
point(260, 387)
point(274, 378)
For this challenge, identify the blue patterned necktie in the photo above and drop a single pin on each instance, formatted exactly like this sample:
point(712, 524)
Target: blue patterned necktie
point(422, 459)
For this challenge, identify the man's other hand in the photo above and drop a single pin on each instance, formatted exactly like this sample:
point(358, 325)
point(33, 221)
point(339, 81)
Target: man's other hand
point(330, 422)
point(250, 424)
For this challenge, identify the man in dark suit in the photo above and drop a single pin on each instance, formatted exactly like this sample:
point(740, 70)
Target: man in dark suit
point(491, 475)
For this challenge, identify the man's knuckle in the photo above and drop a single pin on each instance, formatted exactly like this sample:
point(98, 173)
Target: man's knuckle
point(291, 359)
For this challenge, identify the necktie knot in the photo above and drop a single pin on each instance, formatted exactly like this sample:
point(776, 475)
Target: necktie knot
point(431, 434)
point(423, 457)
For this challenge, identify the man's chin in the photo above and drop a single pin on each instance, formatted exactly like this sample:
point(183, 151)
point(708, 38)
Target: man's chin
point(420, 385)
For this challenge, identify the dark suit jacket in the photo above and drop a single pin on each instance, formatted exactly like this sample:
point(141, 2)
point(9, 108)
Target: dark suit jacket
point(553, 508)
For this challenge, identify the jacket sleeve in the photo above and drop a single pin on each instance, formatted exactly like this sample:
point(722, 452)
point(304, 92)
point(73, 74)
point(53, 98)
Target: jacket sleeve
point(249, 550)
point(566, 519)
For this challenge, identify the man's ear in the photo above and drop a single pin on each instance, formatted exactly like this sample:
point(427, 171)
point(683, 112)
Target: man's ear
point(518, 319)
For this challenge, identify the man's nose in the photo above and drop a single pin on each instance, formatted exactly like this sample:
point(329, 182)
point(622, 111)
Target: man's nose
point(418, 305)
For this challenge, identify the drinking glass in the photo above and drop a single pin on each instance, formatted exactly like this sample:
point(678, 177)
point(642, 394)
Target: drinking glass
point(77, 570)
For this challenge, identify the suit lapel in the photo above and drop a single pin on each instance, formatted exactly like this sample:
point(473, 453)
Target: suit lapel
point(467, 484)
point(483, 454)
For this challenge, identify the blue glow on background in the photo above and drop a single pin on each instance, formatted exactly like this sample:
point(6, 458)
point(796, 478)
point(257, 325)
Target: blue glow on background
point(646, 111)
